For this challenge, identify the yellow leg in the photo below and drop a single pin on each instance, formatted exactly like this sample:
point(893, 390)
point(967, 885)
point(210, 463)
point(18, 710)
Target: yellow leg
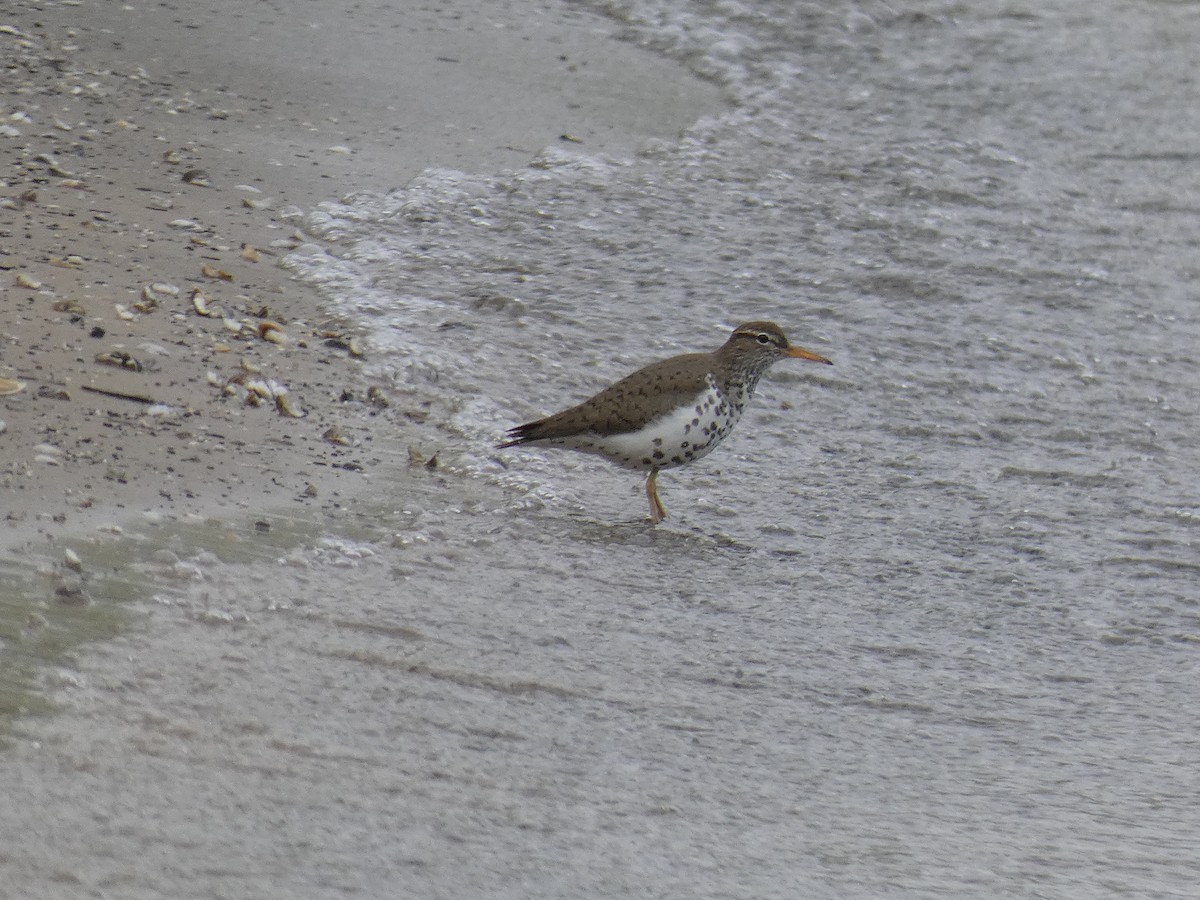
point(657, 512)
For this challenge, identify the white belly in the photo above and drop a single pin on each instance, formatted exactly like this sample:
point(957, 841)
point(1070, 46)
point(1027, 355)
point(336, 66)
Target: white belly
point(675, 439)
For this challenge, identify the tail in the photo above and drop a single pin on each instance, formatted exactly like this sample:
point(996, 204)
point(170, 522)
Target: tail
point(521, 434)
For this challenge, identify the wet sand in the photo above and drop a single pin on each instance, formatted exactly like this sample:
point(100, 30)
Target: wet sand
point(152, 158)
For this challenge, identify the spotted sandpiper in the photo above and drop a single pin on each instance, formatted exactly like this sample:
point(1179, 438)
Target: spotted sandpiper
point(670, 413)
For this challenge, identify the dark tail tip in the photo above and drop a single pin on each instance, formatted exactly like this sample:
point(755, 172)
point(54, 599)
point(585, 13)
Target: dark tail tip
point(521, 434)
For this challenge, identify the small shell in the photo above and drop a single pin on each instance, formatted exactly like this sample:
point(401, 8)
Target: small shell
point(271, 331)
point(260, 388)
point(213, 272)
point(286, 406)
point(334, 435)
point(200, 304)
point(160, 289)
point(72, 561)
point(250, 253)
point(197, 177)
point(10, 386)
point(232, 325)
point(26, 281)
point(124, 313)
point(120, 359)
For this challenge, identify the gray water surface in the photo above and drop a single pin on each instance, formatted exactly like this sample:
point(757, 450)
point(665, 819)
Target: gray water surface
point(929, 620)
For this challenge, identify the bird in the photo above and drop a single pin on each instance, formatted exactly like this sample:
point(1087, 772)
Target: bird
point(671, 413)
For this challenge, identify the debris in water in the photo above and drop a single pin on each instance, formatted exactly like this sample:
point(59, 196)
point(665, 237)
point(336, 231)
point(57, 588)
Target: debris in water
point(376, 398)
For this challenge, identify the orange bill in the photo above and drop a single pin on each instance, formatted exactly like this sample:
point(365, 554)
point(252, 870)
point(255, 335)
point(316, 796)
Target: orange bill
point(801, 353)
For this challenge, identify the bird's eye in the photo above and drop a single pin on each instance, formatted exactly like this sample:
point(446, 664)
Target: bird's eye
point(764, 339)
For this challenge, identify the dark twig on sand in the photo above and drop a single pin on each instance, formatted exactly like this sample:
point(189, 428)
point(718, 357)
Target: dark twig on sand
point(120, 395)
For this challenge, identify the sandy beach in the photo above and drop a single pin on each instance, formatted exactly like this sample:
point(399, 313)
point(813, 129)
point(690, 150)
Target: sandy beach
point(157, 357)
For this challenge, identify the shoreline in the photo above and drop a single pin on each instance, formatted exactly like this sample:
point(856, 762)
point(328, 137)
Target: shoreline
point(149, 153)
point(149, 163)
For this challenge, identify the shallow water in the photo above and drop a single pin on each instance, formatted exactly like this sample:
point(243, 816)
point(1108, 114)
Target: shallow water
point(929, 620)
point(927, 623)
